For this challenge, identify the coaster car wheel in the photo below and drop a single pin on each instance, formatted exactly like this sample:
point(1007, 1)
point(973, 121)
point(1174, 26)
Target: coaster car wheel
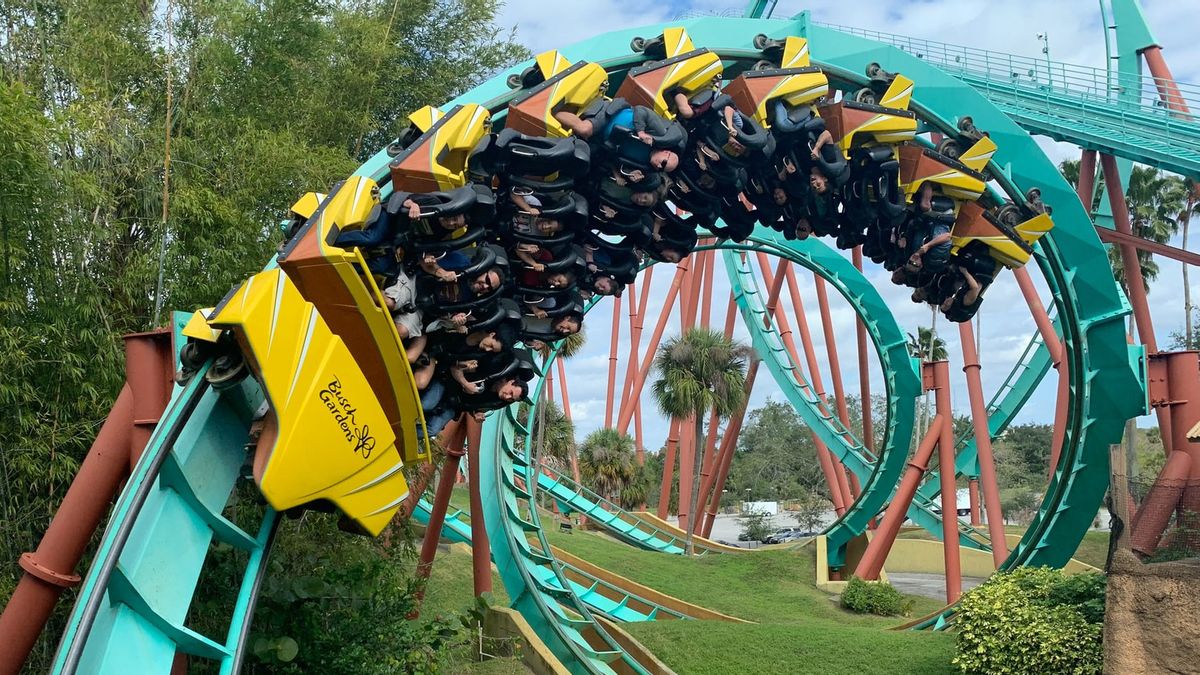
point(949, 147)
point(865, 95)
point(637, 44)
point(761, 41)
point(874, 70)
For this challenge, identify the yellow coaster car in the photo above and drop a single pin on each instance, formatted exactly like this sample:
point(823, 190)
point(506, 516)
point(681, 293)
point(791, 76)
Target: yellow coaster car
point(338, 282)
point(757, 90)
point(437, 159)
point(854, 124)
point(679, 68)
point(1011, 246)
point(959, 178)
point(326, 439)
point(554, 84)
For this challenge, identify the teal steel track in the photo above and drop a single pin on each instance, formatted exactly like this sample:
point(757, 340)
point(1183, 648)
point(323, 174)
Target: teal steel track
point(132, 606)
point(597, 594)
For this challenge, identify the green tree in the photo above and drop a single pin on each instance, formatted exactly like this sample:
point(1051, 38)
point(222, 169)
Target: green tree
point(810, 510)
point(270, 99)
point(554, 431)
point(699, 371)
point(606, 460)
point(926, 345)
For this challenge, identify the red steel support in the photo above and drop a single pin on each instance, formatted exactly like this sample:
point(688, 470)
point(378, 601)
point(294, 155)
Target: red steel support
point(814, 372)
point(973, 495)
point(648, 359)
point(1164, 81)
point(885, 534)
point(835, 366)
point(149, 369)
point(839, 490)
point(983, 447)
point(1057, 357)
point(481, 552)
point(725, 457)
point(687, 459)
point(612, 361)
point(441, 500)
point(1177, 486)
point(1135, 285)
point(710, 443)
point(950, 549)
point(1086, 188)
point(668, 477)
point(864, 372)
point(50, 570)
point(710, 260)
point(1134, 282)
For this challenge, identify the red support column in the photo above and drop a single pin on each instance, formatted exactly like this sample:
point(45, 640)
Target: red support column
point(668, 477)
point(814, 372)
point(1087, 179)
point(885, 534)
point(835, 366)
point(441, 500)
point(973, 495)
point(48, 571)
point(710, 446)
point(839, 490)
point(1058, 359)
point(612, 361)
point(1164, 81)
point(1134, 282)
point(941, 379)
point(710, 260)
point(481, 551)
point(983, 447)
point(864, 372)
point(648, 360)
point(687, 459)
point(562, 388)
point(716, 487)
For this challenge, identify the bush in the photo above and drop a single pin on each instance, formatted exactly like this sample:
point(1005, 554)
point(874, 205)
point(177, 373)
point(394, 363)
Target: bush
point(756, 526)
point(1032, 620)
point(874, 597)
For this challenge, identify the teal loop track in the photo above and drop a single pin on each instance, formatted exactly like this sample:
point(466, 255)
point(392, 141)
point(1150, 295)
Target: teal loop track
point(131, 613)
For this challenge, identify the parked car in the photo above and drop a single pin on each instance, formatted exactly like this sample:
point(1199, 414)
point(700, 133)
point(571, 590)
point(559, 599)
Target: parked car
point(774, 537)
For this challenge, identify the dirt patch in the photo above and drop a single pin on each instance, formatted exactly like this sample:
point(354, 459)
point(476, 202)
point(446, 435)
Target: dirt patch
point(1150, 617)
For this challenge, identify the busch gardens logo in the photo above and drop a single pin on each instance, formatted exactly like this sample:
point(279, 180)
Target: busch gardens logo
point(343, 415)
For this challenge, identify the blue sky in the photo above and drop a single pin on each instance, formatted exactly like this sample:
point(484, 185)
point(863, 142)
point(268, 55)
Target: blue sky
point(1075, 36)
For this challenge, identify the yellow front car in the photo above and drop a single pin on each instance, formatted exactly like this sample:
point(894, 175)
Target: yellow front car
point(338, 282)
point(326, 437)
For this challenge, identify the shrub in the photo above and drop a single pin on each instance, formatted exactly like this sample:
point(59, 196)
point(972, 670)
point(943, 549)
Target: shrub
point(874, 597)
point(756, 526)
point(1032, 620)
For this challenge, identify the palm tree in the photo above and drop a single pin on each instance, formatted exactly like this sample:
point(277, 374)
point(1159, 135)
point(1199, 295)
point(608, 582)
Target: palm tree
point(1155, 201)
point(698, 371)
point(926, 345)
point(554, 430)
point(606, 459)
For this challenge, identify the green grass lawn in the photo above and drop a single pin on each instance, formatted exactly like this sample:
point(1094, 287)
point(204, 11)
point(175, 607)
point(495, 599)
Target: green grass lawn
point(800, 629)
point(450, 590)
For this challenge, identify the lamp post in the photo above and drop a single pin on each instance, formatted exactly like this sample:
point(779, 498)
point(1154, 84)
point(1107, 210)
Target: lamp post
point(1045, 38)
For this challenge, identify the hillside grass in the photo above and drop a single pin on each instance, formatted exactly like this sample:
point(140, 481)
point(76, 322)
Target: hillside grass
point(800, 629)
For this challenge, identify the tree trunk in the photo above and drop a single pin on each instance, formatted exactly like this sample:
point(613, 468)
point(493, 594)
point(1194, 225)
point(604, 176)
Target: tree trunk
point(690, 548)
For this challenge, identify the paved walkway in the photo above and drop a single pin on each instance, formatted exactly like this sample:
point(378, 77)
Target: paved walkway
point(927, 585)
